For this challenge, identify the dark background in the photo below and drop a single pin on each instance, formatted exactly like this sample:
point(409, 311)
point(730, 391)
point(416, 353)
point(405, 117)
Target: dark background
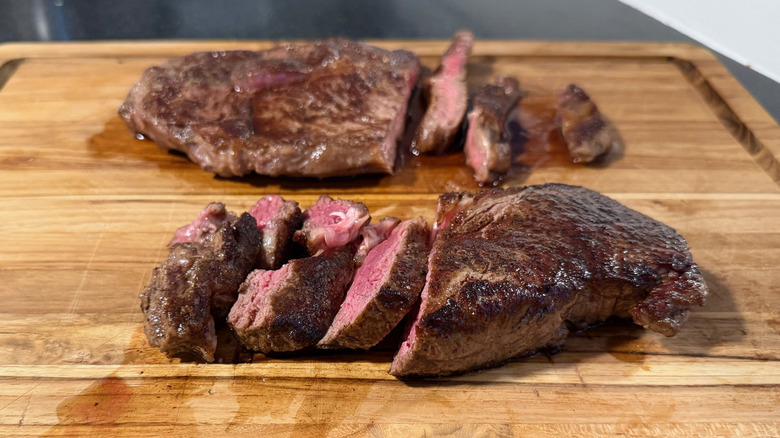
point(582, 20)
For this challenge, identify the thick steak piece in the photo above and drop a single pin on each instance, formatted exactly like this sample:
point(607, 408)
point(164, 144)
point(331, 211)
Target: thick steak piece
point(384, 289)
point(332, 107)
point(198, 280)
point(447, 97)
point(331, 223)
point(277, 221)
point(487, 146)
point(513, 269)
point(587, 134)
point(292, 308)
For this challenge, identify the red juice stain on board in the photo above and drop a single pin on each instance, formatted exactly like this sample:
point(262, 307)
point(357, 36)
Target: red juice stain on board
point(102, 403)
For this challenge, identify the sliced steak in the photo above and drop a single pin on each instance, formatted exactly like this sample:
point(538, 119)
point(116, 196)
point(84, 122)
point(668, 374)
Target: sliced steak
point(277, 221)
point(331, 223)
point(292, 308)
point(587, 134)
point(213, 217)
point(373, 235)
point(447, 97)
point(487, 142)
point(384, 289)
point(515, 268)
point(198, 281)
point(332, 107)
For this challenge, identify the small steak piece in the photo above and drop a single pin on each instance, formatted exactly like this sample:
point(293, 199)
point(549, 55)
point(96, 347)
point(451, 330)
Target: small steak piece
point(385, 288)
point(327, 108)
point(277, 221)
point(213, 217)
point(447, 98)
point(515, 268)
point(331, 223)
point(587, 134)
point(373, 235)
point(292, 308)
point(487, 142)
point(198, 281)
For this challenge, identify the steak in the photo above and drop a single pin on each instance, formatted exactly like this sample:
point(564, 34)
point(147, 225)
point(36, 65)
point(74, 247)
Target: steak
point(213, 217)
point(487, 142)
point(447, 97)
point(384, 289)
point(332, 107)
point(292, 308)
point(373, 235)
point(331, 223)
point(199, 280)
point(513, 270)
point(277, 221)
point(587, 134)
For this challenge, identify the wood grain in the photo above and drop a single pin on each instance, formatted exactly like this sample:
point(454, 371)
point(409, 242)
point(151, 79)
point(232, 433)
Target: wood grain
point(87, 210)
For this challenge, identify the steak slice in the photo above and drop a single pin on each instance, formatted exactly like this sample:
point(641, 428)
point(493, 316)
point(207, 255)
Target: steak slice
point(515, 268)
point(198, 281)
point(292, 308)
point(587, 134)
point(331, 223)
point(332, 107)
point(373, 235)
point(213, 217)
point(384, 289)
point(487, 142)
point(447, 98)
point(277, 221)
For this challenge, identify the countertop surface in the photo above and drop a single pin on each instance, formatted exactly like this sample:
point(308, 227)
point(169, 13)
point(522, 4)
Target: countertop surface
point(578, 20)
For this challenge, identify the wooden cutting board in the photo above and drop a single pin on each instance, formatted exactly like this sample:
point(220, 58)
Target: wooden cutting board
point(88, 209)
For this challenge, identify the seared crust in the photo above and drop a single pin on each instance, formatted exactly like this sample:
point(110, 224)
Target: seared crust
point(277, 237)
point(328, 108)
point(515, 266)
point(297, 314)
point(587, 134)
point(196, 281)
point(487, 144)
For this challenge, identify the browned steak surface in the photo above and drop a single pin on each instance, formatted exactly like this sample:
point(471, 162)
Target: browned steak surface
point(586, 132)
point(198, 280)
point(292, 308)
point(277, 220)
point(487, 142)
point(332, 107)
point(512, 269)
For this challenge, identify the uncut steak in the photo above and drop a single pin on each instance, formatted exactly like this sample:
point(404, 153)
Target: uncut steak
point(447, 96)
point(487, 147)
point(384, 289)
point(512, 270)
point(199, 279)
point(328, 108)
point(292, 308)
